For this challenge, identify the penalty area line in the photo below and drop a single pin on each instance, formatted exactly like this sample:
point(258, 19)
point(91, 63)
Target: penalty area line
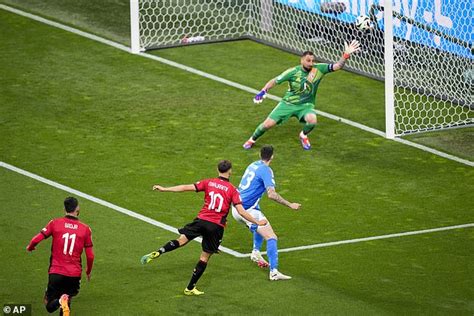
point(228, 82)
point(357, 240)
point(109, 205)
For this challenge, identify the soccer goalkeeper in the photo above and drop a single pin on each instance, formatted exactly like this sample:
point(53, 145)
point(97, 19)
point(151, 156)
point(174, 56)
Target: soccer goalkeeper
point(299, 100)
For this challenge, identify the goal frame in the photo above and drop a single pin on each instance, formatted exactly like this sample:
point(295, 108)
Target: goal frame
point(264, 20)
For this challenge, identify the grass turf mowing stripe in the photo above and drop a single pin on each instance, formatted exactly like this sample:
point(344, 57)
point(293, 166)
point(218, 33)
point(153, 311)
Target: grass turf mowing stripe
point(223, 249)
point(357, 240)
point(65, 27)
point(109, 205)
point(228, 82)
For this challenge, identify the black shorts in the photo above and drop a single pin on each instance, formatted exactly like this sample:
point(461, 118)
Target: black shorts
point(211, 234)
point(60, 284)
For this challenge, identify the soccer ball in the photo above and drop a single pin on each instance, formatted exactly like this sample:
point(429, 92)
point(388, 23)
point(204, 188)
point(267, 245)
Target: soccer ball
point(363, 23)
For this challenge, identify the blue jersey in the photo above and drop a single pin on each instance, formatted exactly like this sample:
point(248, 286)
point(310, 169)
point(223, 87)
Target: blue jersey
point(258, 177)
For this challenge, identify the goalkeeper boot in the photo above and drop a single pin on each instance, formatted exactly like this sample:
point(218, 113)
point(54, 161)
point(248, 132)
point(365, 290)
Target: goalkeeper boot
point(256, 257)
point(147, 258)
point(305, 141)
point(276, 275)
point(194, 291)
point(248, 144)
point(64, 304)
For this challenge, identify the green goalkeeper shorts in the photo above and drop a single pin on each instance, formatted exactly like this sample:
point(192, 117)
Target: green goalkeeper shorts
point(283, 111)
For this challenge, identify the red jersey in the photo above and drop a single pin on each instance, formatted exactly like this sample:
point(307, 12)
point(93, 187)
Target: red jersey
point(70, 237)
point(219, 195)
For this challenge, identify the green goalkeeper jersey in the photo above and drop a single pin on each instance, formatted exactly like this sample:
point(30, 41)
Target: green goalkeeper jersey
point(303, 85)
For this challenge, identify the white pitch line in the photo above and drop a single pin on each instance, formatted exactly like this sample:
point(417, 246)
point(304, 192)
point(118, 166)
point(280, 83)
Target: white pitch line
point(109, 205)
point(434, 151)
point(253, 91)
point(223, 249)
point(357, 240)
point(65, 28)
point(228, 82)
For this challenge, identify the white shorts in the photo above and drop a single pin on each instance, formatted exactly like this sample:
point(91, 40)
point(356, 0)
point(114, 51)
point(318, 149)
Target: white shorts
point(256, 214)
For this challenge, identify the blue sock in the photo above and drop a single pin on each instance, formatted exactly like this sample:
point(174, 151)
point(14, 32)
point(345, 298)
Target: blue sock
point(272, 253)
point(257, 241)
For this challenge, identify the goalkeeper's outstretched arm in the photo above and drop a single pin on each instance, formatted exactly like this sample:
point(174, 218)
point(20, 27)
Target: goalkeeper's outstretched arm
point(349, 49)
point(261, 95)
point(269, 85)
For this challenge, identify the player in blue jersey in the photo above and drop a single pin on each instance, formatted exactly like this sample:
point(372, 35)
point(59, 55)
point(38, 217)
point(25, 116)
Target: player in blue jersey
point(258, 179)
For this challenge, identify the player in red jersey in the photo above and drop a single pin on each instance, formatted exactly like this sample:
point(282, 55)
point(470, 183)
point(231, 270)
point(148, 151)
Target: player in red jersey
point(70, 238)
point(210, 222)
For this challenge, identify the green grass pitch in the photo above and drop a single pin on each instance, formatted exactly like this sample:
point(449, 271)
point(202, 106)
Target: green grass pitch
point(111, 124)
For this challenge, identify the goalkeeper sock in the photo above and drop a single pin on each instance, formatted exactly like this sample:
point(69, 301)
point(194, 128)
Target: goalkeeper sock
point(307, 128)
point(169, 246)
point(272, 253)
point(257, 241)
point(258, 132)
point(198, 271)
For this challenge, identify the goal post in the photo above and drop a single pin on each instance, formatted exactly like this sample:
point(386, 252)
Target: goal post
point(422, 50)
point(389, 81)
point(134, 27)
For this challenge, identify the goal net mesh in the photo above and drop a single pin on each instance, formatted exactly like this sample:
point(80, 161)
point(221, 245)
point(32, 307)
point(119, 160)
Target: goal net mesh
point(433, 60)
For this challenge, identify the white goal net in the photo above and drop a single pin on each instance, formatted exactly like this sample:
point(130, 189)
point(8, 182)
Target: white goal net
point(433, 75)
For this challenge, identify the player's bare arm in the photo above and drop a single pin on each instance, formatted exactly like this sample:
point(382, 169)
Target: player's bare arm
point(270, 84)
point(349, 49)
point(273, 195)
point(247, 216)
point(177, 188)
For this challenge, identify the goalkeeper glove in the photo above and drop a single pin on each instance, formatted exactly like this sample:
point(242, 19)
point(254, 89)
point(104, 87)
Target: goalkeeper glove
point(260, 96)
point(351, 48)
